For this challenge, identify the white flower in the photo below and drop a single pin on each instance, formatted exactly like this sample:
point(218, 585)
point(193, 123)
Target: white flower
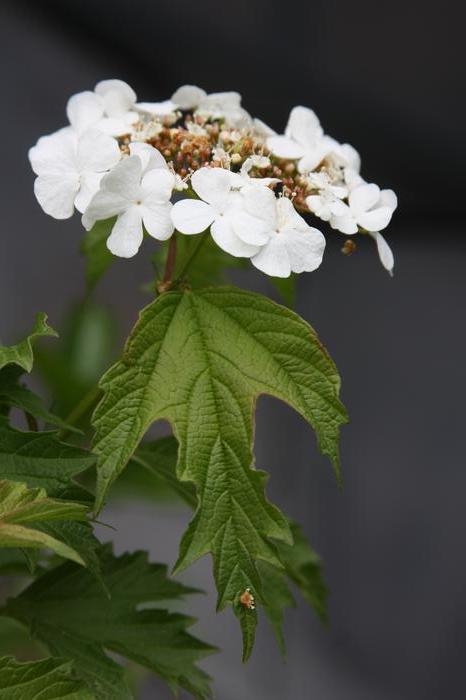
point(292, 245)
point(385, 252)
point(368, 207)
point(138, 192)
point(157, 109)
point(217, 105)
point(260, 162)
point(303, 140)
point(110, 108)
point(70, 168)
point(328, 201)
point(221, 207)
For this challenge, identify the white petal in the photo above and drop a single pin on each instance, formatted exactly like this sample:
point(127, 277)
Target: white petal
point(97, 152)
point(127, 235)
point(388, 199)
point(55, 153)
point(117, 126)
point(363, 198)
point(125, 178)
point(303, 127)
point(213, 185)
point(56, 193)
point(283, 147)
point(103, 206)
point(288, 217)
point(260, 202)
point(90, 183)
point(305, 249)
point(150, 157)
point(84, 110)
point(248, 228)
point(157, 186)
point(346, 224)
point(158, 109)
point(157, 220)
point(273, 258)
point(385, 252)
point(188, 96)
point(117, 95)
point(226, 239)
point(192, 216)
point(375, 220)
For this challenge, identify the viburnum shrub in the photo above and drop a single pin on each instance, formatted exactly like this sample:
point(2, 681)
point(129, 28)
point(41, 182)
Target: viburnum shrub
point(216, 189)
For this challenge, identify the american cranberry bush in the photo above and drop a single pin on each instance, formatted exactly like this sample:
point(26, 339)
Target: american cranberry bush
point(216, 189)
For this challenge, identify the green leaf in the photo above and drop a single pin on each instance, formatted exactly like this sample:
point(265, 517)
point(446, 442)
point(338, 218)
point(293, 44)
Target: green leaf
point(48, 679)
point(70, 614)
point(22, 353)
point(200, 360)
point(22, 510)
point(41, 460)
point(98, 256)
point(159, 458)
point(14, 394)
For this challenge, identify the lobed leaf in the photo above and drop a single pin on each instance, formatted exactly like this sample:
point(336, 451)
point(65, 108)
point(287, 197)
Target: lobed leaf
point(68, 611)
point(200, 360)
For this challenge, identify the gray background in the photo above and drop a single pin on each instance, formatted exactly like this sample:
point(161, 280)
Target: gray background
point(388, 80)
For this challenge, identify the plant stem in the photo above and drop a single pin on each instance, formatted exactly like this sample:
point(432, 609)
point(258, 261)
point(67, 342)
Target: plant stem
point(171, 260)
point(81, 408)
point(193, 255)
point(31, 422)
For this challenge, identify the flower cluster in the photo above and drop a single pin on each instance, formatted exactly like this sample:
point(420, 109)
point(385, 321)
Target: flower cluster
point(223, 169)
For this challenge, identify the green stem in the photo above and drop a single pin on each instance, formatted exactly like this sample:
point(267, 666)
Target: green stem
point(171, 260)
point(81, 408)
point(193, 255)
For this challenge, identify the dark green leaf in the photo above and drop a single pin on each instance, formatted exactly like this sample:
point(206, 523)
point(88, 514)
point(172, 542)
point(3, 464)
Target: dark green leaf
point(69, 612)
point(48, 679)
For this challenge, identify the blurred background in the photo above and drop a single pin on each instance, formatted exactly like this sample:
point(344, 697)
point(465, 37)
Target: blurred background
point(389, 79)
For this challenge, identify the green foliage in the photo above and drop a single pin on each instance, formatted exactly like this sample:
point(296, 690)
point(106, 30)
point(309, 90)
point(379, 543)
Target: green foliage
point(68, 611)
point(22, 353)
point(199, 360)
point(48, 679)
point(41, 460)
point(23, 510)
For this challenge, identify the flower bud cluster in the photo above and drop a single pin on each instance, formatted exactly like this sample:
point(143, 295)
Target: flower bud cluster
point(250, 186)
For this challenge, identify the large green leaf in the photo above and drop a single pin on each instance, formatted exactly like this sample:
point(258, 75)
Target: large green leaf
point(67, 609)
point(48, 679)
point(199, 360)
point(23, 510)
point(22, 353)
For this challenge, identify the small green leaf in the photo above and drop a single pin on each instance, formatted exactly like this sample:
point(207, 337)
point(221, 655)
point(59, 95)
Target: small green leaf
point(199, 360)
point(48, 679)
point(68, 611)
point(41, 460)
point(13, 394)
point(22, 510)
point(22, 353)
point(98, 256)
